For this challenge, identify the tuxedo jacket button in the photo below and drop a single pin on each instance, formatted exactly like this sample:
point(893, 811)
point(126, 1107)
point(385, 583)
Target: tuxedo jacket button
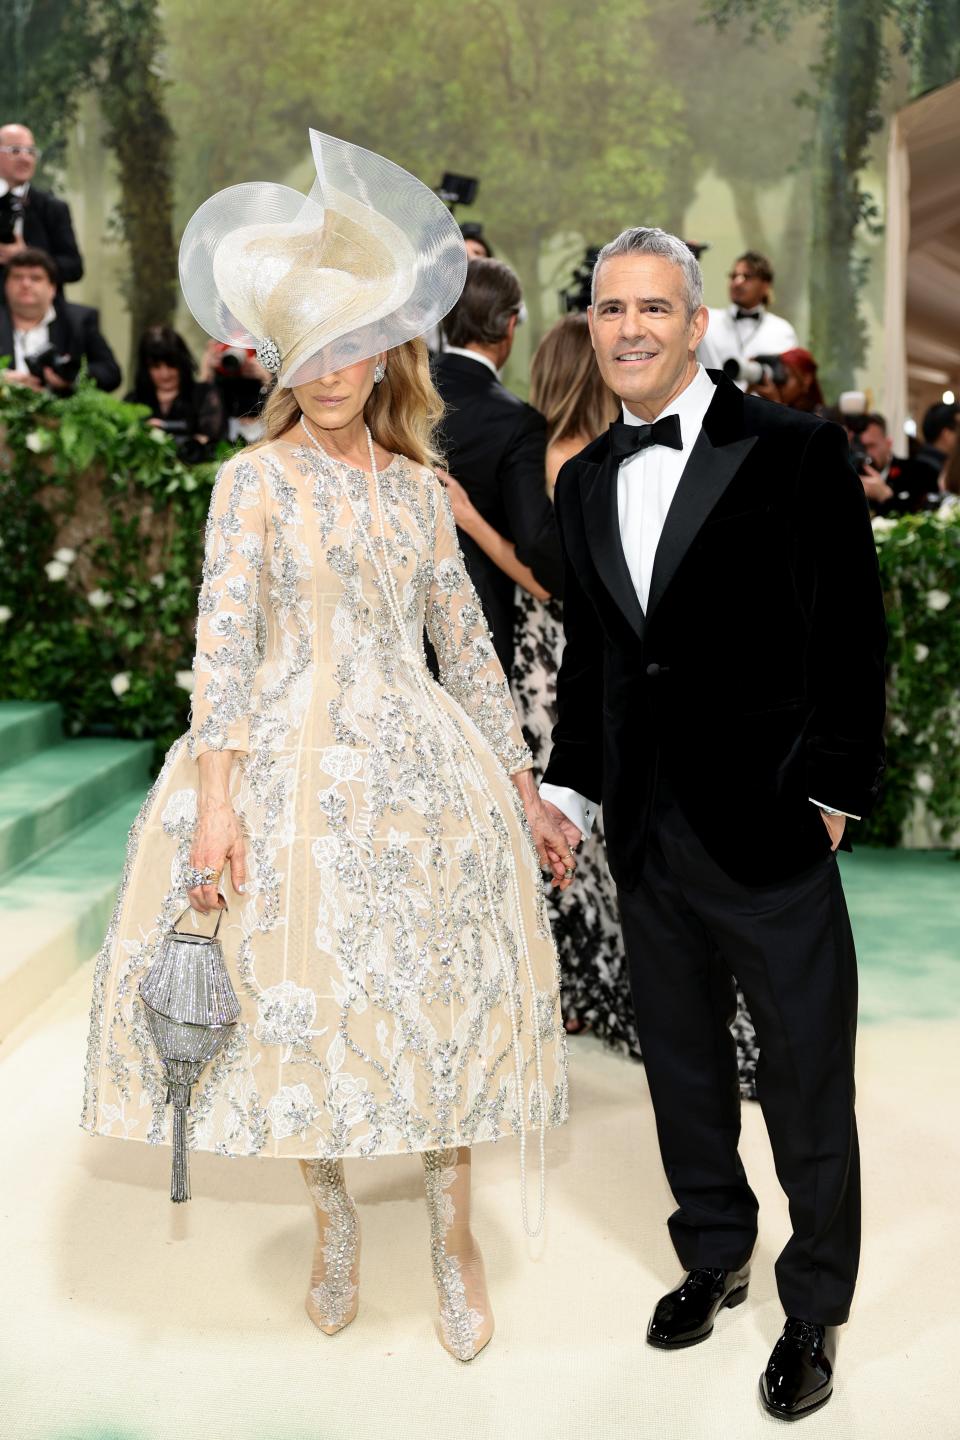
point(653, 670)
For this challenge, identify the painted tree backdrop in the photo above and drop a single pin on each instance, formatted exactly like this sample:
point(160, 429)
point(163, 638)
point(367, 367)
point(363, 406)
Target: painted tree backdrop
point(578, 117)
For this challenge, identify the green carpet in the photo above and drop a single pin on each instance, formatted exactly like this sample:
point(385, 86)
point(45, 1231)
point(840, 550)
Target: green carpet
point(905, 909)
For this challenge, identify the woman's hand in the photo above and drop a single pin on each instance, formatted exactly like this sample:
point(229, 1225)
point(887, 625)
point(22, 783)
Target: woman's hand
point(462, 506)
point(553, 847)
point(218, 836)
point(217, 839)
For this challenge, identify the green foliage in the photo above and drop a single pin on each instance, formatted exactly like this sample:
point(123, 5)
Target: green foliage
point(920, 569)
point(121, 600)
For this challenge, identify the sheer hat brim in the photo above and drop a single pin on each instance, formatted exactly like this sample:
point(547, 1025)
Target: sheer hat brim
point(369, 259)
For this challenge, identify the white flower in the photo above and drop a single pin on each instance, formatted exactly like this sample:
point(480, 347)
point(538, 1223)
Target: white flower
point(99, 599)
point(5, 613)
point(160, 436)
point(38, 441)
point(185, 679)
point(325, 850)
point(120, 684)
point(159, 580)
point(924, 782)
point(56, 570)
point(340, 761)
point(881, 524)
point(65, 555)
point(938, 599)
point(920, 652)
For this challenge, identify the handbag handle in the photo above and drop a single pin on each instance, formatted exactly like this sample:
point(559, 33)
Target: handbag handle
point(220, 914)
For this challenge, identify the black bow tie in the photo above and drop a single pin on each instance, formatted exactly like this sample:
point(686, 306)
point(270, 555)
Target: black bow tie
point(749, 315)
point(627, 440)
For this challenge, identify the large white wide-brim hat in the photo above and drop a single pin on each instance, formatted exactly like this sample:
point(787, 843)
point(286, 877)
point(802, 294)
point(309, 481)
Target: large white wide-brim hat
point(369, 259)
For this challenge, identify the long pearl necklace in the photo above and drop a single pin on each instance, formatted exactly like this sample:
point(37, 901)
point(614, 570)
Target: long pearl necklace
point(442, 722)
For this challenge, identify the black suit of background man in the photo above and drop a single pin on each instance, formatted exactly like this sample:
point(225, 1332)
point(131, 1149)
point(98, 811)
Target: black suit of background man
point(495, 445)
point(754, 681)
point(47, 226)
point(75, 330)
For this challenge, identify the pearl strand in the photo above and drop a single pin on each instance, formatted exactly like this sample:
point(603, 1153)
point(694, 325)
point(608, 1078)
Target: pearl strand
point(388, 589)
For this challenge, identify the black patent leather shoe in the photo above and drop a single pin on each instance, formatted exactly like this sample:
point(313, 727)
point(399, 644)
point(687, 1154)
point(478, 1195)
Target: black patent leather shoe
point(686, 1315)
point(799, 1376)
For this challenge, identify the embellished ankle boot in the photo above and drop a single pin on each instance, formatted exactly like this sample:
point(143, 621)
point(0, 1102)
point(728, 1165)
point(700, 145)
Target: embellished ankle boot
point(333, 1297)
point(466, 1320)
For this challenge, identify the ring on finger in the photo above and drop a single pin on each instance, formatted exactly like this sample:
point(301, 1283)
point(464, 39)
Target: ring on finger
point(194, 878)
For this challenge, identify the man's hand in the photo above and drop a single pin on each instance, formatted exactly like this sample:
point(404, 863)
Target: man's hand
point(7, 252)
point(22, 377)
point(874, 486)
point(460, 503)
point(836, 825)
point(54, 381)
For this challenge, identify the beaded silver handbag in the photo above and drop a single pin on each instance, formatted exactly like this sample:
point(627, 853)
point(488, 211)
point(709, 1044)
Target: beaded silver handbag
point(191, 1008)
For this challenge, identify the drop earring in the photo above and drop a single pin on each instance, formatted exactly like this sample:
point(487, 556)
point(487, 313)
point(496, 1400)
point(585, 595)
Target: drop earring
point(379, 373)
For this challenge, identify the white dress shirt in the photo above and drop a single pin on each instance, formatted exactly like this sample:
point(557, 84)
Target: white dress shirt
point(646, 485)
point(728, 338)
point(27, 343)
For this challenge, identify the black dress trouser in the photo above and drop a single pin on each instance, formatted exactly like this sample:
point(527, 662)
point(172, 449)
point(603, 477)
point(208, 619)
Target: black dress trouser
point(688, 929)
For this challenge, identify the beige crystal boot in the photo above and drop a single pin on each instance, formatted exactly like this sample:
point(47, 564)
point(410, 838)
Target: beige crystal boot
point(466, 1320)
point(333, 1297)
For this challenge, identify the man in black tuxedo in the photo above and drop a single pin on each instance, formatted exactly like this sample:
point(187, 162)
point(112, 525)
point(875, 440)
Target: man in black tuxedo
point(46, 336)
point(32, 219)
point(495, 445)
point(722, 694)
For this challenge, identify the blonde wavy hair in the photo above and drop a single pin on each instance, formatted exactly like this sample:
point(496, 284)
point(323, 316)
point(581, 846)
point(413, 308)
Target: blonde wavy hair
point(403, 411)
point(566, 385)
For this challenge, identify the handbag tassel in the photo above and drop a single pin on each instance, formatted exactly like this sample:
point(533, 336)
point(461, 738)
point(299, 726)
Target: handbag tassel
point(180, 1161)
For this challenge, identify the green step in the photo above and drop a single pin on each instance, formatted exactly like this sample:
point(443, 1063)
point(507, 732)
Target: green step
point(25, 728)
point(48, 795)
point(55, 911)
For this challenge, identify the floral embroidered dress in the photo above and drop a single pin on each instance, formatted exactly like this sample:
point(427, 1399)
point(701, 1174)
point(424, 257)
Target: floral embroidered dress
point(392, 954)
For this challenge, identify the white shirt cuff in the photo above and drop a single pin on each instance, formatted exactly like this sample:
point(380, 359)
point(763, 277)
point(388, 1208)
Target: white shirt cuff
point(830, 809)
point(577, 808)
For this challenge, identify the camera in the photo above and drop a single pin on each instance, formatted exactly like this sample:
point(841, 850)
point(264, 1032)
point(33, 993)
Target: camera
point(575, 300)
point(457, 189)
point(761, 370)
point(11, 209)
point(65, 367)
point(231, 360)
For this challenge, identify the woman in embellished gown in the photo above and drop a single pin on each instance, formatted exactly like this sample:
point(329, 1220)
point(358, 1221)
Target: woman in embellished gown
point(388, 940)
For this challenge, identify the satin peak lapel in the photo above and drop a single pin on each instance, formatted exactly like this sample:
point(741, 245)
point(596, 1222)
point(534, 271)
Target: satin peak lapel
point(601, 520)
point(706, 476)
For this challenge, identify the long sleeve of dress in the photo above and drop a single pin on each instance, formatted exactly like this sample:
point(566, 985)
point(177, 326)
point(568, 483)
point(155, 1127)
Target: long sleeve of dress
point(469, 668)
point(227, 647)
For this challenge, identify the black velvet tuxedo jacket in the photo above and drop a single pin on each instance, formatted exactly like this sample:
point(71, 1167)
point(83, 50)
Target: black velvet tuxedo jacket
point(495, 445)
point(75, 330)
point(755, 679)
point(47, 226)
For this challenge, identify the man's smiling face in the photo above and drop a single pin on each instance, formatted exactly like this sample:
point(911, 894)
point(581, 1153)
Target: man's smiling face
point(645, 340)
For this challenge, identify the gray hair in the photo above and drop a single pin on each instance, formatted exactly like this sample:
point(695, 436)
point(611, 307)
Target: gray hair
point(641, 240)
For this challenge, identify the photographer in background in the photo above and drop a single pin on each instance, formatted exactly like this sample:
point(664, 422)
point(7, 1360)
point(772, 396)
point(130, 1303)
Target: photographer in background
point(32, 219)
point(242, 385)
point(188, 410)
point(478, 246)
point(47, 337)
point(746, 328)
point(939, 432)
point(883, 475)
point(790, 379)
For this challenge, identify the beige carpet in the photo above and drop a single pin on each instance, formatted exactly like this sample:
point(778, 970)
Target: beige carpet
point(127, 1319)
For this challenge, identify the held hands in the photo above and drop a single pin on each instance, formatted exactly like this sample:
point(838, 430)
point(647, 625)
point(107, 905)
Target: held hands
point(553, 834)
point(835, 827)
point(217, 839)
